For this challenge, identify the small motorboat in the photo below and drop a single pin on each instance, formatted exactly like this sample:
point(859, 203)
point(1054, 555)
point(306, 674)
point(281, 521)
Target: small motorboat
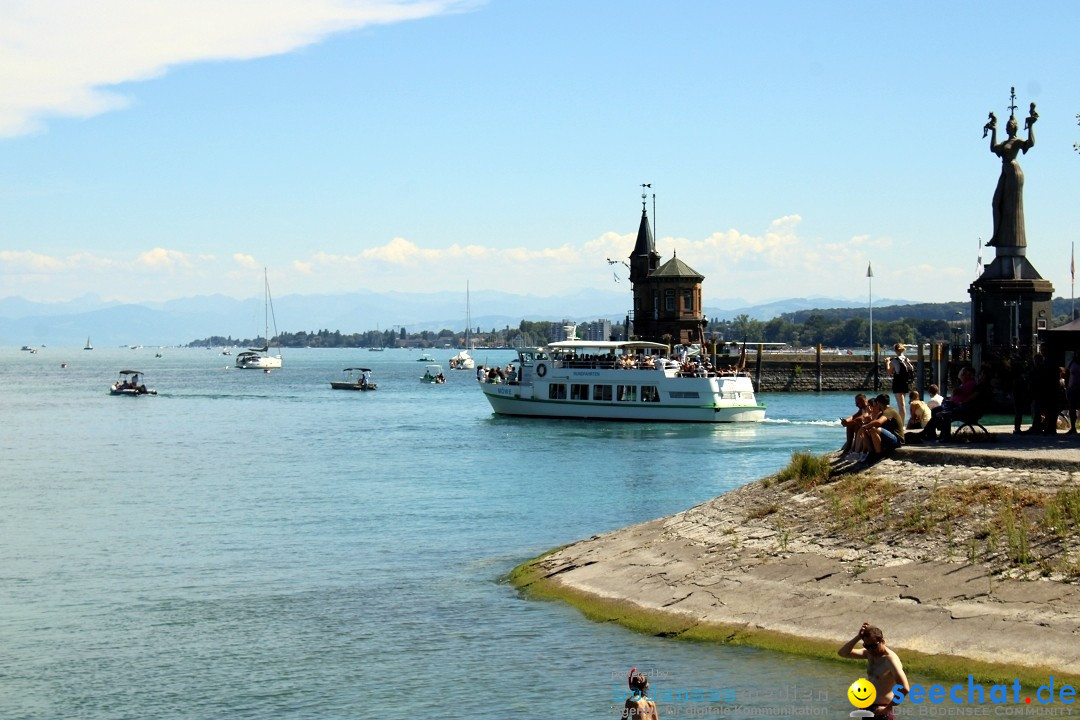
point(355, 381)
point(433, 374)
point(128, 384)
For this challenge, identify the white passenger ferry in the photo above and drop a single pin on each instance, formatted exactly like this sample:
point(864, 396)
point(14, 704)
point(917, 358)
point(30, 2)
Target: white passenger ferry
point(614, 380)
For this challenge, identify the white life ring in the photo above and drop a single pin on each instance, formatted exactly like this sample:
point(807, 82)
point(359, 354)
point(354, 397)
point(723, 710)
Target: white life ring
point(541, 370)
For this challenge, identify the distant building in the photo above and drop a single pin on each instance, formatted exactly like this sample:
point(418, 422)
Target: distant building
point(559, 331)
point(667, 298)
point(596, 330)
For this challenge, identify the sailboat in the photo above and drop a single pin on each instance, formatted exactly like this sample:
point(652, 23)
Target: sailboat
point(260, 358)
point(89, 345)
point(464, 361)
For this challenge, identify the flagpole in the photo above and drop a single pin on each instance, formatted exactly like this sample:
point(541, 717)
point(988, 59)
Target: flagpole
point(1072, 272)
point(870, 283)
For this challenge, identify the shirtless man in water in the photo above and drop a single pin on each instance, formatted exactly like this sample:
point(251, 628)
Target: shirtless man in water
point(638, 706)
point(883, 668)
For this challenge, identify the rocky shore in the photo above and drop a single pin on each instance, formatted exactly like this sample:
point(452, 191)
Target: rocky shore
point(965, 554)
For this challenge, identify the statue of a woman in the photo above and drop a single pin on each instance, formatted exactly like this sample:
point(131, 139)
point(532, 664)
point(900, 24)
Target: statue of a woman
point(1009, 195)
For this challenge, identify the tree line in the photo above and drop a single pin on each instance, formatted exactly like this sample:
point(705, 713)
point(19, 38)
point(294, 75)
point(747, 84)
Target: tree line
point(836, 327)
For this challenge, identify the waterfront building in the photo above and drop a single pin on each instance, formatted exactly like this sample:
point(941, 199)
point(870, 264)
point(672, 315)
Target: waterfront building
point(667, 298)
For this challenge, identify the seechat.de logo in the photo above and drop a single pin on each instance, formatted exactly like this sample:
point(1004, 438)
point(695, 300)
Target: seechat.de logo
point(974, 692)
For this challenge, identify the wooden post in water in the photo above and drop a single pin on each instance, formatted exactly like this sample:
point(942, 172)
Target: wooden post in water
point(757, 370)
point(819, 368)
point(942, 368)
point(919, 371)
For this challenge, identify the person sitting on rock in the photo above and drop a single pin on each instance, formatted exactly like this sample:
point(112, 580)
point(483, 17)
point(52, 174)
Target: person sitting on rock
point(853, 423)
point(886, 430)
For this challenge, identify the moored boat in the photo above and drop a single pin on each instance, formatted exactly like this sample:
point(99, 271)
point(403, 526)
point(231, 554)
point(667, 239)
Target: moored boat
point(463, 360)
point(619, 380)
point(260, 358)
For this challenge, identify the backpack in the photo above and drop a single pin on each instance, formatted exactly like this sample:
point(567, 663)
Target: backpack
point(906, 373)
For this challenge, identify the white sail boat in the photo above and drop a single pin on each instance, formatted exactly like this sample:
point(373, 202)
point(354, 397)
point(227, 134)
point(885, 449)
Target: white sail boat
point(89, 345)
point(260, 358)
point(464, 361)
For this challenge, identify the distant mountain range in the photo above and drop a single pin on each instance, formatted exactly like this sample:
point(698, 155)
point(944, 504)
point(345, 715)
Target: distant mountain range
point(178, 322)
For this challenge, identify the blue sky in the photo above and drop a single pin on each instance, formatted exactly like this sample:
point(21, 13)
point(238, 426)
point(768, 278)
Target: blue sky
point(151, 151)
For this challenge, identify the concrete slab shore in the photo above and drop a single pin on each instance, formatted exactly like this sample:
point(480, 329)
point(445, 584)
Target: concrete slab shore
point(948, 548)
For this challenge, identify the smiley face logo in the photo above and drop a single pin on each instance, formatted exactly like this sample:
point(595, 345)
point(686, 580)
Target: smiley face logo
point(861, 693)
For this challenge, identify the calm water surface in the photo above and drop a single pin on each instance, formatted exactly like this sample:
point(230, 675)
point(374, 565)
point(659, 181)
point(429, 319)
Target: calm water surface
point(251, 545)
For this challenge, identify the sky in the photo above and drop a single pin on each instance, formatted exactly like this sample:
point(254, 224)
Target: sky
point(159, 150)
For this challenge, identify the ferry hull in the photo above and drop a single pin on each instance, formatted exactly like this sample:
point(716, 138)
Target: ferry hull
point(618, 380)
point(508, 400)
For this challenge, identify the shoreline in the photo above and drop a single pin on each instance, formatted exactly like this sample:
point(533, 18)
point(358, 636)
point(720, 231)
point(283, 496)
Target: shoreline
point(955, 551)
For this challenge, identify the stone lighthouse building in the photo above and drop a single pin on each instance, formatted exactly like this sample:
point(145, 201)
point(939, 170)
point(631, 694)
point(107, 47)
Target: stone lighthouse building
point(667, 298)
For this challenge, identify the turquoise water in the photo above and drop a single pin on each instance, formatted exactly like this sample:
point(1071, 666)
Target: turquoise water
point(251, 545)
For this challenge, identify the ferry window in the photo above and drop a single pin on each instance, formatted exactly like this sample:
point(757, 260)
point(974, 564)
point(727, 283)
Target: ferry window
point(556, 391)
point(688, 301)
point(650, 393)
point(669, 300)
point(627, 393)
point(601, 392)
point(579, 392)
point(683, 394)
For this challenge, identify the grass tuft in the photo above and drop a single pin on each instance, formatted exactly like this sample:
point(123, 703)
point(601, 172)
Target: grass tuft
point(806, 470)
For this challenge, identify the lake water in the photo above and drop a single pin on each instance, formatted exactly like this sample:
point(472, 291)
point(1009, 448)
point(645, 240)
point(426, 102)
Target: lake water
point(252, 545)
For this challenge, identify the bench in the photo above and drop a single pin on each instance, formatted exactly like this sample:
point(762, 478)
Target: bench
point(969, 427)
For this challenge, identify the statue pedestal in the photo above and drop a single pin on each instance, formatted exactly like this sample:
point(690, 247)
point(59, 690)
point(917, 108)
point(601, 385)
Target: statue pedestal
point(1010, 303)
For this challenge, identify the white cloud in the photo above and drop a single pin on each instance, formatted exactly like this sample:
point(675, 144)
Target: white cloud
point(59, 58)
point(165, 259)
point(24, 260)
point(777, 262)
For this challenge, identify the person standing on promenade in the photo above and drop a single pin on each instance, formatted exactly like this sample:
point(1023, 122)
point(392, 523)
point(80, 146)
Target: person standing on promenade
point(1020, 373)
point(883, 668)
point(1046, 391)
point(1072, 390)
point(639, 706)
point(903, 376)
